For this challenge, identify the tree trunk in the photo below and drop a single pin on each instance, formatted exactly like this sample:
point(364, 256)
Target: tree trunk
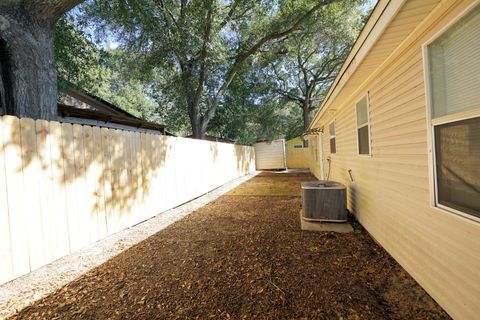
point(306, 114)
point(197, 128)
point(193, 105)
point(28, 79)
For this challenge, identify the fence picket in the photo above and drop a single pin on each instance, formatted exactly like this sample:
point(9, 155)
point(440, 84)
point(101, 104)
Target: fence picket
point(59, 191)
point(71, 187)
point(138, 154)
point(107, 178)
point(171, 194)
point(15, 194)
point(91, 204)
point(46, 189)
point(33, 213)
point(81, 185)
point(124, 187)
point(6, 264)
point(99, 175)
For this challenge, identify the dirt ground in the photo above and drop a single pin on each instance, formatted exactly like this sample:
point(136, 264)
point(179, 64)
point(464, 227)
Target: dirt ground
point(244, 256)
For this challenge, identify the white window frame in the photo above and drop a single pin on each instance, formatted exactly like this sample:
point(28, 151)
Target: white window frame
point(334, 136)
point(432, 123)
point(367, 124)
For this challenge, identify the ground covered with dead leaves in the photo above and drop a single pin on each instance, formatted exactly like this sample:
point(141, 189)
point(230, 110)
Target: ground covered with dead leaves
point(244, 256)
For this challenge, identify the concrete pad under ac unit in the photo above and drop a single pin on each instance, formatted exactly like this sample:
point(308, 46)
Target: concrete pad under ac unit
point(340, 227)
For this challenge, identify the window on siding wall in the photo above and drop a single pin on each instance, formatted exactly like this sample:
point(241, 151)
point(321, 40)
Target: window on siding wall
point(333, 142)
point(363, 126)
point(454, 66)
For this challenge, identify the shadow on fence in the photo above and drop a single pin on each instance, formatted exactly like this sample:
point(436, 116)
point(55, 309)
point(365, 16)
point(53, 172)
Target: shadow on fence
point(63, 186)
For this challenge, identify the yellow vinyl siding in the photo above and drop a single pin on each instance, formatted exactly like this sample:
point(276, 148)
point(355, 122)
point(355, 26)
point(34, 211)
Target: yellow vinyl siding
point(391, 192)
point(297, 158)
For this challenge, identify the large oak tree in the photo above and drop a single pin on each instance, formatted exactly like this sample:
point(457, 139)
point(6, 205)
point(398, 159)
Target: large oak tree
point(307, 64)
point(28, 80)
point(200, 45)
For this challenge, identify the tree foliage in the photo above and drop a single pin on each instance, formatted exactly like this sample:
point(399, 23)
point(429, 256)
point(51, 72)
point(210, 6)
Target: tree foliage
point(83, 65)
point(78, 61)
point(176, 58)
point(303, 67)
point(198, 47)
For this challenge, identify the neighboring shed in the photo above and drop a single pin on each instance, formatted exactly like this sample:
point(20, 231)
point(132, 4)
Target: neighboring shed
point(80, 107)
point(270, 155)
point(297, 153)
point(400, 126)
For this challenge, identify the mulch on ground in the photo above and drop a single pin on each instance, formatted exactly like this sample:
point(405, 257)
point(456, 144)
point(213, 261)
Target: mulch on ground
point(244, 256)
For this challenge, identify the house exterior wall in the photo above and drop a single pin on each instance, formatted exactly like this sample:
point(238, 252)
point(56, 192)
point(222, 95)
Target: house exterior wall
point(392, 190)
point(297, 158)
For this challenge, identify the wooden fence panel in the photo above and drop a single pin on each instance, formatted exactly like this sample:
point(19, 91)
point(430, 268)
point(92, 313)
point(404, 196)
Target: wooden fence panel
point(71, 187)
point(122, 198)
point(170, 181)
point(84, 183)
point(91, 204)
point(59, 190)
point(16, 196)
point(33, 213)
point(148, 176)
point(145, 163)
point(46, 189)
point(139, 154)
point(160, 159)
point(107, 179)
point(82, 195)
point(132, 179)
point(99, 169)
point(180, 158)
point(112, 158)
point(6, 263)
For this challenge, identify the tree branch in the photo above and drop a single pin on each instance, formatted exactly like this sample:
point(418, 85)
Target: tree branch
point(168, 12)
point(51, 9)
point(203, 54)
point(230, 13)
point(290, 96)
point(243, 56)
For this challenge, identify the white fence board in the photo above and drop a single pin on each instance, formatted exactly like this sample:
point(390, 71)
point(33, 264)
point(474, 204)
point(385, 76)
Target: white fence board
point(6, 264)
point(33, 213)
point(84, 183)
point(16, 196)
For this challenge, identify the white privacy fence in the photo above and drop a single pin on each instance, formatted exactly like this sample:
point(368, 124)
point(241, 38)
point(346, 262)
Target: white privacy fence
point(64, 186)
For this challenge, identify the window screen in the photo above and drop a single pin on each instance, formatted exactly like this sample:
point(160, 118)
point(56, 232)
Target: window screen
point(457, 149)
point(454, 63)
point(363, 130)
point(333, 145)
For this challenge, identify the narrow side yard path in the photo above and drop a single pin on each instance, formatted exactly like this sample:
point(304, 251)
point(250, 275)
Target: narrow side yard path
point(243, 256)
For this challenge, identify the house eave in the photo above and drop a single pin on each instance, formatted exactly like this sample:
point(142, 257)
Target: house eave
point(381, 16)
